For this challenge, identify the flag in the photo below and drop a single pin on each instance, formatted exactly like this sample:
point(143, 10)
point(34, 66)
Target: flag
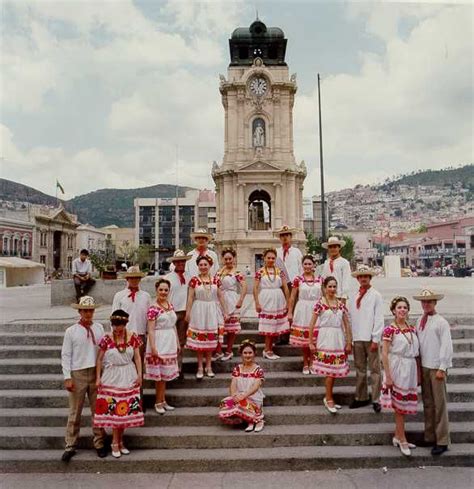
point(59, 186)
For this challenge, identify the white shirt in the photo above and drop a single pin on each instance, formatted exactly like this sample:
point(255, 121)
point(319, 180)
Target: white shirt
point(293, 262)
point(367, 322)
point(137, 310)
point(191, 266)
point(342, 273)
point(436, 346)
point(179, 292)
point(79, 266)
point(79, 351)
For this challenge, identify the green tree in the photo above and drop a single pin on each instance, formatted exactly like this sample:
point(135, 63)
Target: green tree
point(313, 245)
point(348, 249)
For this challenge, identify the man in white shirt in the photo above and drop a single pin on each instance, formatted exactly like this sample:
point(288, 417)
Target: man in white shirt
point(135, 302)
point(202, 238)
point(78, 361)
point(436, 353)
point(179, 280)
point(338, 267)
point(81, 273)
point(366, 314)
point(288, 254)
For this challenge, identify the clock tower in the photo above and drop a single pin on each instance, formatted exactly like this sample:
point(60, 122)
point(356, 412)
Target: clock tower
point(259, 185)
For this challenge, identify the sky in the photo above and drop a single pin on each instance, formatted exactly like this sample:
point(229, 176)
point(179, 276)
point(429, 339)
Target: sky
point(124, 94)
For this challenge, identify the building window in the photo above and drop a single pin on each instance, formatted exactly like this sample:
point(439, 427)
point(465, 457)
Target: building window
point(43, 259)
point(69, 263)
point(6, 245)
point(43, 238)
point(25, 247)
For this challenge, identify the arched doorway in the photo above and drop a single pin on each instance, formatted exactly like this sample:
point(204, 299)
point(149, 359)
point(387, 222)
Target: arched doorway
point(259, 211)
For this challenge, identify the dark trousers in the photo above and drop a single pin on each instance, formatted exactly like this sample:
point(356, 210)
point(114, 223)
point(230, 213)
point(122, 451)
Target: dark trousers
point(182, 329)
point(82, 286)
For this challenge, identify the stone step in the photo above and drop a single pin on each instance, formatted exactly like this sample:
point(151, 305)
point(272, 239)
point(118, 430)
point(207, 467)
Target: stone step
point(293, 363)
point(272, 379)
point(49, 351)
point(211, 396)
point(208, 437)
point(207, 416)
point(230, 460)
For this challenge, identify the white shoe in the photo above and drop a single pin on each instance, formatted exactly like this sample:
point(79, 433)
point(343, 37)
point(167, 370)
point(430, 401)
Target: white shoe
point(227, 357)
point(338, 406)
point(396, 443)
point(250, 428)
point(306, 371)
point(331, 409)
point(217, 356)
point(270, 355)
point(259, 426)
point(210, 373)
point(199, 374)
point(159, 408)
point(116, 453)
point(124, 450)
point(168, 407)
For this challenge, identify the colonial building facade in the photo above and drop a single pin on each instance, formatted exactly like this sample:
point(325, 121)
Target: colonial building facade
point(259, 185)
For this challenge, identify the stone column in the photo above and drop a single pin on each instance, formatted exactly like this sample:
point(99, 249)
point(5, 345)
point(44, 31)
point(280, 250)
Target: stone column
point(278, 206)
point(241, 205)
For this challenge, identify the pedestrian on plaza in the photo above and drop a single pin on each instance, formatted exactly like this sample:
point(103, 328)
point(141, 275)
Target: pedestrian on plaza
point(202, 315)
point(366, 313)
point(271, 297)
point(333, 341)
point(81, 274)
point(234, 289)
point(436, 354)
point(78, 361)
point(178, 296)
point(246, 396)
point(338, 267)
point(118, 382)
point(201, 238)
point(136, 303)
point(162, 347)
point(400, 357)
point(305, 292)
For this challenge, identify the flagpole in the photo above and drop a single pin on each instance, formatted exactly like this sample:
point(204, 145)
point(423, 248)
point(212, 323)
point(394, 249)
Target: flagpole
point(176, 211)
point(321, 170)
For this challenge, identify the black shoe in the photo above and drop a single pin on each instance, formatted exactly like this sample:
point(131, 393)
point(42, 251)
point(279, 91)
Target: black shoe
point(67, 455)
point(355, 404)
point(376, 407)
point(439, 449)
point(101, 452)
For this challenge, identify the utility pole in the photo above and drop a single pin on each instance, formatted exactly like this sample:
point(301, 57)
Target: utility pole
point(321, 170)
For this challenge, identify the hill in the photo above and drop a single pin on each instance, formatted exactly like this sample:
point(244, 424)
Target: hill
point(17, 192)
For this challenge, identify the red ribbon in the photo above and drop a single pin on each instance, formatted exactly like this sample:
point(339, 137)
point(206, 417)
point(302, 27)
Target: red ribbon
point(87, 325)
point(286, 250)
point(362, 292)
point(424, 319)
point(133, 292)
point(331, 265)
point(182, 280)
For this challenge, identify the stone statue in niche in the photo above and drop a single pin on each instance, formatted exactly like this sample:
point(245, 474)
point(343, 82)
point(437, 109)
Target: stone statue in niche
point(258, 133)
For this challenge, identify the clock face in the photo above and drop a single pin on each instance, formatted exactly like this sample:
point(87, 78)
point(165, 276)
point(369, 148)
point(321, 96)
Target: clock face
point(258, 86)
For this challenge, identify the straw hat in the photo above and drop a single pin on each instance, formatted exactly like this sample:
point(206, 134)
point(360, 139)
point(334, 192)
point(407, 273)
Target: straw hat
point(178, 255)
point(363, 270)
point(134, 272)
point(201, 233)
point(86, 302)
point(285, 230)
point(428, 295)
point(333, 240)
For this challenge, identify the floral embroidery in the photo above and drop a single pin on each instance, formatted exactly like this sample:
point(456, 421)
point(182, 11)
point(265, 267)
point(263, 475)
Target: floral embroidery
point(331, 358)
point(196, 282)
point(155, 311)
point(107, 342)
point(201, 335)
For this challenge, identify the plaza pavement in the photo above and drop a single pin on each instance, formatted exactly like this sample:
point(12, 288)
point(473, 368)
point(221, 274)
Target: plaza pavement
point(20, 304)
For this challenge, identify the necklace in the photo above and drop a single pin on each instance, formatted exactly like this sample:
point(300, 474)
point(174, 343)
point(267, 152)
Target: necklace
point(207, 284)
point(334, 308)
point(311, 282)
point(165, 308)
point(270, 276)
point(410, 341)
point(121, 347)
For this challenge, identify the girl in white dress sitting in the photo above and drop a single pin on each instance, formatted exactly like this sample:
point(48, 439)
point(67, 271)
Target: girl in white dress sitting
point(271, 296)
point(162, 349)
point(246, 396)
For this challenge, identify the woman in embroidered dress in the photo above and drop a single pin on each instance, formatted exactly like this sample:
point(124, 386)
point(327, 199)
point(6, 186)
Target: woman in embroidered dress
point(246, 396)
point(162, 349)
point(202, 315)
point(231, 280)
point(333, 342)
point(400, 358)
point(118, 379)
point(271, 296)
point(305, 292)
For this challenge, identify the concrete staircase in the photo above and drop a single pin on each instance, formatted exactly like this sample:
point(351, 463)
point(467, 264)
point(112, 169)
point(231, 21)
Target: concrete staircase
point(299, 434)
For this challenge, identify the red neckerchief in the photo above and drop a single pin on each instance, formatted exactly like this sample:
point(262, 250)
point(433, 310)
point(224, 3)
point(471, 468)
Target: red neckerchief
point(204, 253)
point(133, 292)
point(90, 332)
point(362, 292)
point(286, 250)
point(424, 319)
point(182, 280)
point(331, 264)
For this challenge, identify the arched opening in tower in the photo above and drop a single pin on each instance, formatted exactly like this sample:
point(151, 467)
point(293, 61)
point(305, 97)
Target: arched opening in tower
point(260, 211)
